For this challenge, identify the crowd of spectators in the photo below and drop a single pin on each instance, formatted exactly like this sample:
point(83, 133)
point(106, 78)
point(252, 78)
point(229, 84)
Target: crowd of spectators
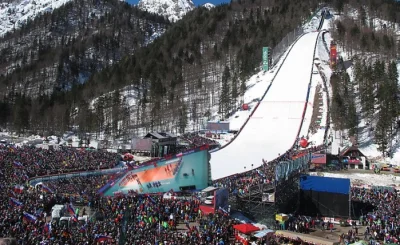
point(197, 140)
point(82, 186)
point(129, 219)
point(133, 218)
point(37, 161)
point(383, 223)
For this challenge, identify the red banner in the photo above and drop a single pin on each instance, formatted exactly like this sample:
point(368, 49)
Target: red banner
point(354, 161)
point(333, 55)
point(318, 158)
point(299, 155)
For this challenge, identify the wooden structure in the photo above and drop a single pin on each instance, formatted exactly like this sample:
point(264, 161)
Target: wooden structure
point(354, 158)
point(163, 143)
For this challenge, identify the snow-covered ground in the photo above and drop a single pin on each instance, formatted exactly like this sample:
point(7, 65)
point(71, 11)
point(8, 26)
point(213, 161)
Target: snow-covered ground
point(174, 10)
point(368, 179)
point(274, 126)
point(12, 15)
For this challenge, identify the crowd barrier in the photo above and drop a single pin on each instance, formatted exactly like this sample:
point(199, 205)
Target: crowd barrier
point(285, 169)
point(33, 181)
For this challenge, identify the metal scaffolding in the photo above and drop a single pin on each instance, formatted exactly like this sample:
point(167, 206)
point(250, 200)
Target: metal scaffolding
point(254, 205)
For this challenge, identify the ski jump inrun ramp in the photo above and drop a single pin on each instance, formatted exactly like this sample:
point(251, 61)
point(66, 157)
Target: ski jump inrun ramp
point(274, 125)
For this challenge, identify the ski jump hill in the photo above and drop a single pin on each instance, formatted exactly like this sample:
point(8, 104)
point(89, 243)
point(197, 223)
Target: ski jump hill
point(275, 124)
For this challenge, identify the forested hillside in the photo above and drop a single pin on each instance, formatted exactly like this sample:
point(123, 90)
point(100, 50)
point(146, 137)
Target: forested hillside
point(368, 32)
point(201, 62)
point(58, 50)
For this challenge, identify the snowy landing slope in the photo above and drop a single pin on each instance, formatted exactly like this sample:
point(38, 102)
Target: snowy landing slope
point(275, 124)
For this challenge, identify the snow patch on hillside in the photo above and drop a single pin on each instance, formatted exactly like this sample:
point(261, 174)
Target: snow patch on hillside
point(174, 10)
point(208, 5)
point(13, 15)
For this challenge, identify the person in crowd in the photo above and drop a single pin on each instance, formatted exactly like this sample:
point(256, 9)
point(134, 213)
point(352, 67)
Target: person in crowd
point(122, 219)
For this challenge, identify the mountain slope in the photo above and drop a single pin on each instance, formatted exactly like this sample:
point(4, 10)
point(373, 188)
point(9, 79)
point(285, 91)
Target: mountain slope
point(208, 5)
point(58, 50)
point(197, 67)
point(173, 10)
point(15, 14)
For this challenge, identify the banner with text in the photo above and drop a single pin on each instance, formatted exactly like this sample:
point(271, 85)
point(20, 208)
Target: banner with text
point(265, 59)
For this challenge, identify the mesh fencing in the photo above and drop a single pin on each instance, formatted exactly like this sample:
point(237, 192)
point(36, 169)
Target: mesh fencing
point(283, 45)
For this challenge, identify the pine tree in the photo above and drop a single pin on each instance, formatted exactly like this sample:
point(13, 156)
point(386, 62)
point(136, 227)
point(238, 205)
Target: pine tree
point(225, 92)
point(369, 94)
point(235, 92)
point(381, 132)
point(393, 95)
point(183, 120)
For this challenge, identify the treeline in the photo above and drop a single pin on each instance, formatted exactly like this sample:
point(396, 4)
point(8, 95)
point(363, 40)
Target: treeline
point(367, 31)
point(376, 86)
point(199, 63)
point(343, 107)
point(368, 27)
point(57, 50)
point(379, 95)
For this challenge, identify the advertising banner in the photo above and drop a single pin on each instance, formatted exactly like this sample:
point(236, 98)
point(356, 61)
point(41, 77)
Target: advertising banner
point(333, 55)
point(217, 127)
point(317, 158)
point(265, 59)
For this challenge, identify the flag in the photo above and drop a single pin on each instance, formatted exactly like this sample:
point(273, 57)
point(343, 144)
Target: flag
point(74, 218)
point(47, 228)
point(29, 217)
point(14, 202)
point(102, 238)
point(11, 194)
point(46, 189)
point(70, 209)
point(18, 189)
point(151, 199)
point(25, 177)
point(18, 164)
point(165, 224)
point(83, 228)
point(223, 210)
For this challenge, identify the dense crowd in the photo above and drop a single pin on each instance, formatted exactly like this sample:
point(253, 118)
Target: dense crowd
point(383, 223)
point(82, 186)
point(129, 219)
point(196, 140)
point(37, 161)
